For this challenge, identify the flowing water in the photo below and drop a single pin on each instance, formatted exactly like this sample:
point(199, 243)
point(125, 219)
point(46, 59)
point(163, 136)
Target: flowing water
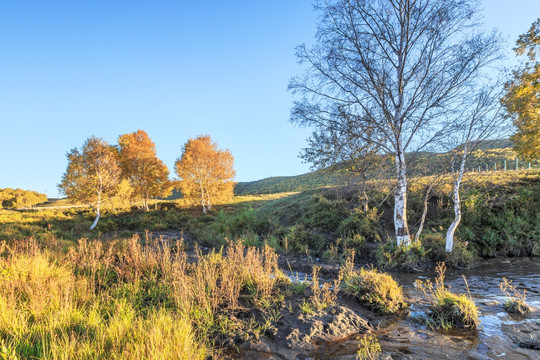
point(499, 336)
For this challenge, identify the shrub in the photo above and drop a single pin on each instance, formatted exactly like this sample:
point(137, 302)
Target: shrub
point(323, 295)
point(412, 257)
point(246, 221)
point(363, 224)
point(356, 242)
point(462, 256)
point(447, 310)
point(377, 291)
point(302, 240)
point(324, 214)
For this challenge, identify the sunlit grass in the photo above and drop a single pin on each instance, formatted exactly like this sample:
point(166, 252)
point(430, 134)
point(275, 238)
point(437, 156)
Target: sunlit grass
point(127, 300)
point(447, 309)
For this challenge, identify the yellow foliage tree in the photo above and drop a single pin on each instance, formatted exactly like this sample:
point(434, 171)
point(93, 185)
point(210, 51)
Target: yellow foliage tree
point(206, 173)
point(522, 98)
point(148, 175)
point(123, 196)
point(92, 175)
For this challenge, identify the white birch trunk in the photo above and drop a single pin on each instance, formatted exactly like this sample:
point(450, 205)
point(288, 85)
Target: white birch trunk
point(96, 219)
point(98, 204)
point(208, 202)
point(145, 203)
point(203, 201)
point(457, 204)
point(400, 206)
point(424, 213)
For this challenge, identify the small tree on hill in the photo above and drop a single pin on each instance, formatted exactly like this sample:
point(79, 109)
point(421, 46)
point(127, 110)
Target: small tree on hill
point(92, 175)
point(148, 175)
point(346, 152)
point(206, 173)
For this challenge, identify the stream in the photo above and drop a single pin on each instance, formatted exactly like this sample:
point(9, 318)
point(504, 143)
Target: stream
point(499, 336)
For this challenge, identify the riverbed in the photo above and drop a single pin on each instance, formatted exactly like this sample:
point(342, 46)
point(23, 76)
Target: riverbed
point(405, 336)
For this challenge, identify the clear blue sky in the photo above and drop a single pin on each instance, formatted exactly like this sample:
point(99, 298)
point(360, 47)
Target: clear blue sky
point(176, 69)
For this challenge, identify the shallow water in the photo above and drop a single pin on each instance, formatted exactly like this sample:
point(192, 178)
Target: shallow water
point(499, 336)
point(495, 337)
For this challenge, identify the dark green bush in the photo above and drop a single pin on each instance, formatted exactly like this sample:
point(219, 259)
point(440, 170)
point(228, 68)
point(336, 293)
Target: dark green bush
point(356, 242)
point(413, 257)
point(324, 214)
point(363, 224)
point(302, 240)
point(461, 256)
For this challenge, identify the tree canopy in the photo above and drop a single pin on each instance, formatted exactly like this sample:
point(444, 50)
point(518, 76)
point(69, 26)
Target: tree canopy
point(148, 175)
point(16, 198)
point(387, 74)
point(522, 100)
point(206, 173)
point(92, 175)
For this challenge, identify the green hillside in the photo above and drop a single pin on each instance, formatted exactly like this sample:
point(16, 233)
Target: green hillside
point(489, 155)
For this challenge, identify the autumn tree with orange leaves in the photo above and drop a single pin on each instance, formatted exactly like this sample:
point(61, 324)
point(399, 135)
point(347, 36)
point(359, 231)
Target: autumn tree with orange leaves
point(206, 173)
point(147, 174)
point(92, 175)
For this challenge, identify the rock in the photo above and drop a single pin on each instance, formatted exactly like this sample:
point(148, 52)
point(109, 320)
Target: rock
point(308, 332)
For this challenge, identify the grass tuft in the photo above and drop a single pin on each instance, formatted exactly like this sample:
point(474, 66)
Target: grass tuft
point(377, 291)
point(515, 299)
point(447, 309)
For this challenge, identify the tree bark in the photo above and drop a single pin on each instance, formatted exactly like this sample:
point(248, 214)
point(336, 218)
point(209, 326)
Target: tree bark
point(145, 203)
point(203, 202)
point(457, 203)
point(400, 205)
point(365, 198)
point(96, 219)
point(424, 213)
point(98, 204)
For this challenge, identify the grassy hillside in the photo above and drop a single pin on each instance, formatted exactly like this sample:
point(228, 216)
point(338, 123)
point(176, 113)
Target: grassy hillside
point(488, 156)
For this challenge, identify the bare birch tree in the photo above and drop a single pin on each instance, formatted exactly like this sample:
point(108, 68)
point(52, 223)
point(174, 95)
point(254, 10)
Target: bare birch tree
point(393, 67)
point(347, 153)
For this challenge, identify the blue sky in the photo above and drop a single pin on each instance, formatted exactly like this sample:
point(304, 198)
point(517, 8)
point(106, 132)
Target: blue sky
point(176, 69)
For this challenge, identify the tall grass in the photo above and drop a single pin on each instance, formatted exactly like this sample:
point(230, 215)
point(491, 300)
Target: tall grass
point(126, 299)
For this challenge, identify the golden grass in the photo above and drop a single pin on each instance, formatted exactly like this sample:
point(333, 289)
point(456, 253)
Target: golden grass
point(125, 299)
point(376, 290)
point(515, 299)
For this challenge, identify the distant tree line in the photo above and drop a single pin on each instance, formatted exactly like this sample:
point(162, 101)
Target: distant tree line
point(18, 198)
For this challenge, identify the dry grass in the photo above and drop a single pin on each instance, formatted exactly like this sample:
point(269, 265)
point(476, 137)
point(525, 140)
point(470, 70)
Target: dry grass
point(126, 299)
point(369, 348)
point(377, 291)
point(515, 299)
point(324, 295)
